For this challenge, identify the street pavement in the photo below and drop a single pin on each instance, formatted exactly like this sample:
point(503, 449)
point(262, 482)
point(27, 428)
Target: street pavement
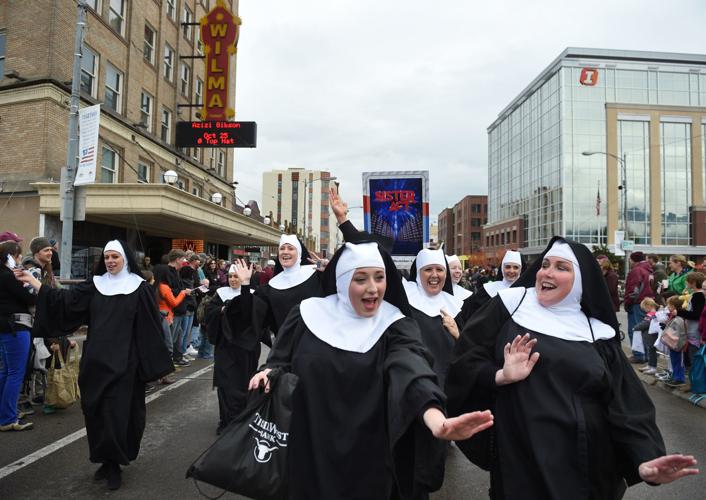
point(181, 424)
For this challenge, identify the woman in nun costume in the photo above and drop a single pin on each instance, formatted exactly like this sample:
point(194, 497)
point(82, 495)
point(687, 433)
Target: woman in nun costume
point(366, 410)
point(456, 273)
point(434, 307)
point(511, 268)
point(294, 281)
point(572, 418)
point(123, 350)
point(237, 346)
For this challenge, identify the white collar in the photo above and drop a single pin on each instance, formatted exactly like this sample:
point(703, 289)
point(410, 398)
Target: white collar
point(493, 287)
point(123, 283)
point(228, 293)
point(431, 305)
point(333, 322)
point(560, 322)
point(292, 276)
point(461, 292)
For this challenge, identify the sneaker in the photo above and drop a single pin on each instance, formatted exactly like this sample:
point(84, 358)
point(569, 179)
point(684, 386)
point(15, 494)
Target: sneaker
point(191, 351)
point(650, 371)
point(635, 360)
point(188, 358)
point(150, 388)
point(663, 376)
point(48, 409)
point(645, 368)
point(182, 362)
point(25, 408)
point(674, 383)
point(166, 380)
point(17, 426)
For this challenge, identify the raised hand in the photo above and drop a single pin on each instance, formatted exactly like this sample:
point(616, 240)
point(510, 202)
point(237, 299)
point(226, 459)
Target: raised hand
point(339, 207)
point(319, 262)
point(667, 468)
point(243, 270)
point(519, 360)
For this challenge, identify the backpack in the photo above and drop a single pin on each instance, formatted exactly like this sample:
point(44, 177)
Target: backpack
point(201, 309)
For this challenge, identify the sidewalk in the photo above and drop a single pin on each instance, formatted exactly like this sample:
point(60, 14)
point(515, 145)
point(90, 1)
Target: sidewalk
point(680, 392)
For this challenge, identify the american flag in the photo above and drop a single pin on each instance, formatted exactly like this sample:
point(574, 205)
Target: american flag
point(598, 200)
point(87, 154)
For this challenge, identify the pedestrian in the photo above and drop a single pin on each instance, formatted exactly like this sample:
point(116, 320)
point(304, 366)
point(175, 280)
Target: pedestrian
point(367, 409)
point(511, 267)
point(147, 263)
point(692, 314)
point(434, 307)
point(611, 280)
point(268, 272)
point(677, 280)
point(123, 350)
point(189, 275)
point(295, 280)
point(637, 287)
point(167, 302)
point(182, 320)
point(237, 344)
point(15, 325)
point(572, 420)
point(677, 328)
point(649, 329)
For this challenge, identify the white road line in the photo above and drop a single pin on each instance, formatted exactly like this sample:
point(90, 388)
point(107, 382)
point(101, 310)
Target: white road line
point(65, 441)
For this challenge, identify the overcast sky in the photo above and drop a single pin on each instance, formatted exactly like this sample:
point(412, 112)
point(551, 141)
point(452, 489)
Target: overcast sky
point(371, 85)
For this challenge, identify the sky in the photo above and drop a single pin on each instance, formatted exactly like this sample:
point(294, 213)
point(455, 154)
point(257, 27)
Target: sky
point(350, 86)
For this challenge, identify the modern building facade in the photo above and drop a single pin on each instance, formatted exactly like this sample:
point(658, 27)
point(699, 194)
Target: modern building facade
point(142, 62)
point(557, 154)
point(460, 227)
point(297, 200)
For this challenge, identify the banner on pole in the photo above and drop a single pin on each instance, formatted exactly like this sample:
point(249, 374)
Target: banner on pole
point(88, 125)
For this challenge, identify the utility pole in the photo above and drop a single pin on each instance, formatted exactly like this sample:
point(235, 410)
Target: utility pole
point(68, 173)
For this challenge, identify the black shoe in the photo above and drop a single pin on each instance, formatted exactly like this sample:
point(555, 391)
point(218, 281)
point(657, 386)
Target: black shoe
point(101, 473)
point(115, 479)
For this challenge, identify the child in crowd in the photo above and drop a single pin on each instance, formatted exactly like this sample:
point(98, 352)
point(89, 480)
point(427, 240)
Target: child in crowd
point(677, 326)
point(691, 312)
point(649, 328)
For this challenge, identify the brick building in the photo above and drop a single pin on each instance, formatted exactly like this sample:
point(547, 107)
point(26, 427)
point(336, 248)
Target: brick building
point(460, 228)
point(144, 66)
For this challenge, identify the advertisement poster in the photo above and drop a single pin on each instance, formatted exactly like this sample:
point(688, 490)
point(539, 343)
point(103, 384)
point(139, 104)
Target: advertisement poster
point(88, 125)
point(396, 205)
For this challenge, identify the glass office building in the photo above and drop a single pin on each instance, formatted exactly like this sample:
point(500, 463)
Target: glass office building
point(642, 115)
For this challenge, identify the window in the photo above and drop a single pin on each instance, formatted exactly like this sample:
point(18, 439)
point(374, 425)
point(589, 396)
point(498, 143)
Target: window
point(113, 88)
point(109, 166)
point(3, 41)
point(146, 101)
point(198, 92)
point(144, 169)
point(171, 9)
point(149, 44)
point(196, 154)
point(89, 71)
point(181, 184)
point(187, 17)
point(185, 79)
point(220, 167)
point(116, 15)
point(166, 132)
point(199, 43)
point(196, 191)
point(94, 4)
point(168, 63)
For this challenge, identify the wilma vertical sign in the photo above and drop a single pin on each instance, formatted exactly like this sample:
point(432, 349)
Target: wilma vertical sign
point(220, 29)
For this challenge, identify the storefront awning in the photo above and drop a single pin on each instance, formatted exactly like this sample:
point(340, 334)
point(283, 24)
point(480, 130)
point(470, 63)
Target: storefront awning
point(162, 210)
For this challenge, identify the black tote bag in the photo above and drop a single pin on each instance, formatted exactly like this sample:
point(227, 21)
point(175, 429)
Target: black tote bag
point(250, 456)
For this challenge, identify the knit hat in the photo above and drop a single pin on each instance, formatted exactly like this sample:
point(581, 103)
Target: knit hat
point(38, 243)
point(9, 236)
point(637, 256)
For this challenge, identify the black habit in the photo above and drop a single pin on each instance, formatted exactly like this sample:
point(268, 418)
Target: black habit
point(357, 429)
point(124, 349)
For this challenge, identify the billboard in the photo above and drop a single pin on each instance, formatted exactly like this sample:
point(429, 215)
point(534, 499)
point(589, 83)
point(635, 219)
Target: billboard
point(396, 205)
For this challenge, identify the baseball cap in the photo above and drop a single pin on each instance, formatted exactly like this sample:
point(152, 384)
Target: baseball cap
point(10, 236)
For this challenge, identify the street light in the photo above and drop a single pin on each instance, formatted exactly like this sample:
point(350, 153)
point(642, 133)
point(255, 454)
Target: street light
point(170, 177)
point(247, 211)
point(281, 228)
point(624, 188)
point(217, 198)
point(267, 220)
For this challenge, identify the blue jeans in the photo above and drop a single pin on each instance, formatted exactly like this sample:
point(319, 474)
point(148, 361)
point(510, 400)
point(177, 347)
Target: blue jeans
point(196, 336)
point(185, 323)
point(15, 350)
point(635, 315)
point(676, 359)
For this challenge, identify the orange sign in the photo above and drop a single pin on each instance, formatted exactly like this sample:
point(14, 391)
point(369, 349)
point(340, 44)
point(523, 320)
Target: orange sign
point(220, 29)
point(188, 245)
point(589, 77)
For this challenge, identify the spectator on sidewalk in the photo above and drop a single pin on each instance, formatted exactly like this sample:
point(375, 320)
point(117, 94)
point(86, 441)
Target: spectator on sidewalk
point(679, 267)
point(660, 281)
point(267, 273)
point(677, 325)
point(190, 279)
point(648, 328)
point(175, 259)
point(637, 287)
point(167, 301)
point(611, 280)
point(15, 324)
point(692, 314)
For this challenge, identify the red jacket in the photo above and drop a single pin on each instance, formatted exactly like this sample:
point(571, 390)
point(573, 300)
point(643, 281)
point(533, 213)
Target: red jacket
point(639, 283)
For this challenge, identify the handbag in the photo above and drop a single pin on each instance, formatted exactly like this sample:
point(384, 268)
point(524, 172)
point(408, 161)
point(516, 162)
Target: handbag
point(637, 344)
point(674, 340)
point(250, 456)
point(62, 383)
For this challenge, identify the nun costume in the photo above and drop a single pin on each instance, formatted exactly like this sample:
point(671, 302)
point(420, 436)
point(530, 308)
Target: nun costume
point(426, 310)
point(365, 387)
point(123, 350)
point(577, 423)
point(237, 346)
point(491, 289)
point(290, 285)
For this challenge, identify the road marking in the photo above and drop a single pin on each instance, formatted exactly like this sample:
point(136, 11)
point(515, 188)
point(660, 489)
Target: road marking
point(65, 441)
